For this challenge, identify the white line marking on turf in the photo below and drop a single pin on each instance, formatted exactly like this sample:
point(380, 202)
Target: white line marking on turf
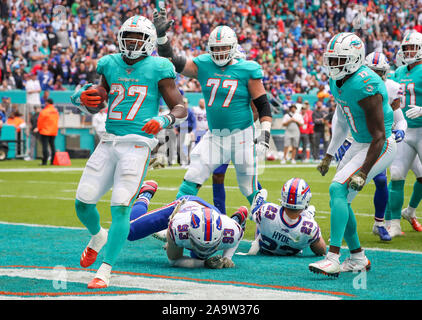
point(178, 289)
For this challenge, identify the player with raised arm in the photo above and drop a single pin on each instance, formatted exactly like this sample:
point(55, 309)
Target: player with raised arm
point(191, 224)
point(289, 228)
point(228, 86)
point(363, 109)
point(410, 78)
point(134, 81)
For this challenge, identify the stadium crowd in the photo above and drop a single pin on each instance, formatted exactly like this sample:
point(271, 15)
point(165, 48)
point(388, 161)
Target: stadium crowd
point(59, 42)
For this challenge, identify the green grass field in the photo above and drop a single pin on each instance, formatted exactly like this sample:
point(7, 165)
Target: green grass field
point(31, 194)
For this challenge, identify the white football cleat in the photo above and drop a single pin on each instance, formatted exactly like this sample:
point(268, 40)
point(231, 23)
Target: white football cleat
point(356, 263)
point(395, 229)
point(330, 266)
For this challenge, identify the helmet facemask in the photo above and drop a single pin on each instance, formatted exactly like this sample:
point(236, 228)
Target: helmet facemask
point(340, 66)
point(411, 53)
point(222, 54)
point(135, 44)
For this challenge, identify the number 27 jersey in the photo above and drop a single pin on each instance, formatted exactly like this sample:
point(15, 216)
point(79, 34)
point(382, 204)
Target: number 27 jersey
point(134, 94)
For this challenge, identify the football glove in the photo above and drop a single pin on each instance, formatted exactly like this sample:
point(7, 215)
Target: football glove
point(414, 111)
point(155, 124)
point(357, 181)
point(342, 150)
point(263, 143)
point(259, 199)
point(398, 135)
point(161, 22)
point(218, 262)
point(324, 165)
point(90, 98)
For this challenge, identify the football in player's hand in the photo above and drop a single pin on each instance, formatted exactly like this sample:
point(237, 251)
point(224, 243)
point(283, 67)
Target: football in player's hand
point(100, 91)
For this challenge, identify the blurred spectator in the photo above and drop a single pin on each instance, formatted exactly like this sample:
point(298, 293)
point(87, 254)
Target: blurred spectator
point(48, 127)
point(318, 116)
point(15, 119)
point(306, 131)
point(287, 103)
point(45, 78)
point(34, 131)
point(33, 91)
point(292, 120)
point(3, 117)
point(185, 132)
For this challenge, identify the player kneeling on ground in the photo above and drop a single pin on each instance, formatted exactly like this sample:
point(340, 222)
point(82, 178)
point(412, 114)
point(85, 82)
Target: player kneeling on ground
point(290, 227)
point(191, 224)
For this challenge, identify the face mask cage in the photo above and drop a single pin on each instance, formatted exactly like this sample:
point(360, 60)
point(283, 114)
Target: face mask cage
point(134, 47)
point(411, 53)
point(222, 57)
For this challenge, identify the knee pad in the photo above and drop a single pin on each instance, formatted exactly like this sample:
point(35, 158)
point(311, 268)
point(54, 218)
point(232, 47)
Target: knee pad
point(87, 192)
point(380, 180)
point(121, 197)
point(397, 173)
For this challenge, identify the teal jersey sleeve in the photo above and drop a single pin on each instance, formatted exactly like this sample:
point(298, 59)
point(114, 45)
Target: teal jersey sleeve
point(226, 92)
point(165, 68)
point(363, 84)
point(411, 84)
point(102, 63)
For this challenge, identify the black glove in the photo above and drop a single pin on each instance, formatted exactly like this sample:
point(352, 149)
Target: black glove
point(160, 22)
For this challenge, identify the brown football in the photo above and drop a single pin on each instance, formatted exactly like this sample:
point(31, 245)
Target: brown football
point(104, 97)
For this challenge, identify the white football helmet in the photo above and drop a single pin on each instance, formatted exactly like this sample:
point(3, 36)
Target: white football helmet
point(400, 58)
point(240, 53)
point(377, 61)
point(295, 194)
point(412, 38)
point(133, 48)
point(222, 36)
point(344, 55)
point(205, 231)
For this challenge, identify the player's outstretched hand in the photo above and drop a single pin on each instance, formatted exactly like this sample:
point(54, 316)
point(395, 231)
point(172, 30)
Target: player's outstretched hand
point(161, 22)
point(357, 181)
point(218, 262)
point(90, 98)
point(324, 165)
point(414, 111)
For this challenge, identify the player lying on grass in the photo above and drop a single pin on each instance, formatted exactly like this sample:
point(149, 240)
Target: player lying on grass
point(191, 224)
point(290, 227)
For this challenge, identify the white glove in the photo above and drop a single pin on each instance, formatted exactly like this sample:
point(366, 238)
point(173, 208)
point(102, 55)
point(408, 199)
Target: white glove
point(414, 111)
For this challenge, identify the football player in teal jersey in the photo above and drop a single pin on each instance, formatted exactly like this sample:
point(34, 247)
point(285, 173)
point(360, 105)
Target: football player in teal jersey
point(409, 76)
point(228, 85)
point(135, 81)
point(363, 109)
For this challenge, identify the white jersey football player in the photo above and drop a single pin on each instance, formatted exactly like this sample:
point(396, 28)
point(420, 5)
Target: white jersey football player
point(286, 229)
point(201, 120)
point(204, 231)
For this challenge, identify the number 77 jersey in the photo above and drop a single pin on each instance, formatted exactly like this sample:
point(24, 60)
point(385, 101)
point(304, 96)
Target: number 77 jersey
point(362, 84)
point(134, 95)
point(226, 92)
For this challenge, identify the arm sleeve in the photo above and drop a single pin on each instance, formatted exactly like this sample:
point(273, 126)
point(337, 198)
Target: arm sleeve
point(187, 262)
point(400, 122)
point(340, 131)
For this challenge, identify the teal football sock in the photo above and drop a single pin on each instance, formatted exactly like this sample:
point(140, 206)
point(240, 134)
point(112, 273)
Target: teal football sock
point(416, 197)
point(351, 233)
point(339, 212)
point(387, 215)
point(396, 198)
point(187, 188)
point(118, 233)
point(89, 216)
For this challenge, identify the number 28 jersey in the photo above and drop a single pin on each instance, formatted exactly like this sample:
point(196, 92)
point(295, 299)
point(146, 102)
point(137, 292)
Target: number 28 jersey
point(226, 92)
point(278, 237)
point(134, 95)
